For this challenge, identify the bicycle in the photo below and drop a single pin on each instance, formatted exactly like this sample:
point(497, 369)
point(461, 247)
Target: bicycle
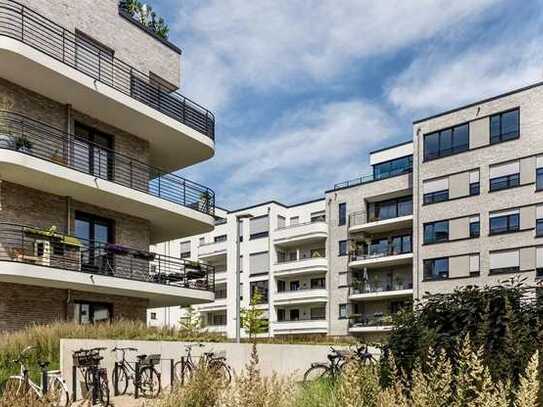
point(327, 371)
point(56, 391)
point(96, 380)
point(148, 381)
point(185, 368)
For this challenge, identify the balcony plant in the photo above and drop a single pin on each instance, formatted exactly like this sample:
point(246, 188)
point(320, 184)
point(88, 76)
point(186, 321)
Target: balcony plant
point(145, 15)
point(116, 249)
point(23, 144)
point(147, 256)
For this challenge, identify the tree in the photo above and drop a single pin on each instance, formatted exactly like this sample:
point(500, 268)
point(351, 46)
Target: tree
point(251, 318)
point(191, 323)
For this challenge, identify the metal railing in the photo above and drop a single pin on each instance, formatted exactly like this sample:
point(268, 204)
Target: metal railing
point(23, 24)
point(368, 288)
point(295, 225)
point(361, 321)
point(322, 255)
point(371, 178)
point(36, 246)
point(301, 319)
point(24, 135)
point(360, 217)
point(303, 290)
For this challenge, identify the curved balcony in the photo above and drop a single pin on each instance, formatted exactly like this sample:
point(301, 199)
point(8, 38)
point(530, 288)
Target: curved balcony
point(47, 58)
point(302, 296)
point(37, 156)
point(301, 233)
point(310, 265)
point(45, 258)
point(300, 326)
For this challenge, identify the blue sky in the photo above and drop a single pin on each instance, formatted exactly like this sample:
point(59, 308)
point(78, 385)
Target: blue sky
point(302, 90)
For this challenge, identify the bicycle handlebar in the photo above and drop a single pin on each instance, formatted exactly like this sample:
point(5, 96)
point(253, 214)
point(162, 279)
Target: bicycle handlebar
point(115, 349)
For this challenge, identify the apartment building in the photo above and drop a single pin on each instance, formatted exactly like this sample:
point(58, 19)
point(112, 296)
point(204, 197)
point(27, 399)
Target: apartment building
point(478, 209)
point(91, 129)
point(282, 255)
point(370, 223)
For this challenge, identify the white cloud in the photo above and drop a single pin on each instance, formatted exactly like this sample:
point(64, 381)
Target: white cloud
point(262, 44)
point(301, 154)
point(439, 80)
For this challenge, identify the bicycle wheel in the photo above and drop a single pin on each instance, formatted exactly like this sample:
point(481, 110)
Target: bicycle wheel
point(103, 388)
point(183, 372)
point(318, 372)
point(121, 385)
point(149, 382)
point(58, 394)
point(221, 371)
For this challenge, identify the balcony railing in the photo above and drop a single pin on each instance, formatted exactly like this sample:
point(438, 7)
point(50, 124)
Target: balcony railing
point(360, 217)
point(376, 320)
point(23, 24)
point(295, 225)
point(32, 245)
point(301, 290)
point(301, 319)
point(321, 255)
point(371, 178)
point(360, 287)
point(19, 133)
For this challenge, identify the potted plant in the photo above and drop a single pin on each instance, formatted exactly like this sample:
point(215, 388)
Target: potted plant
point(116, 249)
point(23, 144)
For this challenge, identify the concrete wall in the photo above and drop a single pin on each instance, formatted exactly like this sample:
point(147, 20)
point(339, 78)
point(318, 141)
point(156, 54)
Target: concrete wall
point(285, 360)
point(481, 156)
point(101, 21)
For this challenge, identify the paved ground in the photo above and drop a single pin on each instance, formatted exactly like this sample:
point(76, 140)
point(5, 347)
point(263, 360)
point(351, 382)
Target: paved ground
point(122, 401)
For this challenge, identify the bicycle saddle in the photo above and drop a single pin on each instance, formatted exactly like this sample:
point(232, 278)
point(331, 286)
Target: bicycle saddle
point(141, 357)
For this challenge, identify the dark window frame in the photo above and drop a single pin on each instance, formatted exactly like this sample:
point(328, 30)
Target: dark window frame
point(395, 203)
point(475, 233)
point(474, 188)
point(505, 182)
point(429, 232)
point(344, 252)
point(538, 225)
point(92, 305)
point(510, 226)
point(342, 214)
point(341, 308)
point(404, 166)
point(435, 275)
point(501, 137)
point(538, 177)
point(436, 197)
point(446, 152)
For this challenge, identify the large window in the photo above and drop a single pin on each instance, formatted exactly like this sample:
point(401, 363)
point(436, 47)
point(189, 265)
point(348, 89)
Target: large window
point(400, 245)
point(504, 176)
point(504, 222)
point(342, 215)
point(435, 232)
point(507, 261)
point(436, 191)
point(259, 227)
point(92, 152)
point(474, 227)
point(393, 167)
point(262, 288)
point(392, 208)
point(446, 142)
point(436, 269)
point(94, 231)
point(86, 313)
point(342, 248)
point(184, 250)
point(539, 179)
point(504, 126)
point(318, 313)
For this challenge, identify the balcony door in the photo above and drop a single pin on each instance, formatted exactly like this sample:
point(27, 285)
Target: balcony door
point(94, 233)
point(92, 152)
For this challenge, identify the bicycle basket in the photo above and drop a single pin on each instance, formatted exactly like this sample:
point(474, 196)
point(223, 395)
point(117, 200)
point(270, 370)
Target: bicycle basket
point(151, 360)
point(86, 360)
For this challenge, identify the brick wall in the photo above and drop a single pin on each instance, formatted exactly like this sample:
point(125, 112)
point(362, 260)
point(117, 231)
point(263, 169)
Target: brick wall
point(24, 305)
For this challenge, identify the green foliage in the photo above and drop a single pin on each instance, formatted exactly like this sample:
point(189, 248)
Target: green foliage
point(191, 323)
point(501, 321)
point(252, 318)
point(146, 16)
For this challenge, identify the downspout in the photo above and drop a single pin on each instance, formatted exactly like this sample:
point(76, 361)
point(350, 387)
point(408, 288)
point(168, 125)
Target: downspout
point(416, 206)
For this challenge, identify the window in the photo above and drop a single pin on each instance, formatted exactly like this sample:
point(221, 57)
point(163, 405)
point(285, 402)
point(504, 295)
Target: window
point(504, 222)
point(393, 167)
point(539, 221)
point(504, 126)
point(435, 232)
point(318, 217)
point(294, 220)
point(342, 216)
point(342, 311)
point(436, 191)
point(507, 261)
point(259, 263)
point(92, 153)
point(184, 250)
point(280, 315)
point(342, 248)
point(281, 286)
point(474, 227)
point(153, 316)
point(539, 261)
point(259, 227)
point(262, 288)
point(446, 142)
point(294, 285)
point(474, 184)
point(220, 292)
point(539, 177)
point(318, 313)
point(317, 283)
point(86, 313)
point(216, 318)
point(436, 269)
point(400, 244)
point(504, 176)
point(201, 241)
point(281, 222)
point(94, 231)
point(294, 314)
point(392, 208)
point(221, 238)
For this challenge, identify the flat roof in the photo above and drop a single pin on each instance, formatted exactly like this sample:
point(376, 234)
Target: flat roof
point(403, 143)
point(274, 202)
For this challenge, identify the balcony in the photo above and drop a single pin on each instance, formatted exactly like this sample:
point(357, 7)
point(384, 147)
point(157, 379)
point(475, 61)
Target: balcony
point(310, 265)
point(44, 158)
point(302, 296)
point(218, 305)
point(373, 178)
point(45, 258)
point(375, 323)
point(379, 291)
point(359, 222)
point(394, 252)
point(301, 234)
point(213, 251)
point(40, 55)
point(308, 326)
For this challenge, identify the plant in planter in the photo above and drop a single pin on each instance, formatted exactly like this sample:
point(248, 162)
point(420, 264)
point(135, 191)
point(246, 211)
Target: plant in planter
point(145, 15)
point(23, 144)
point(116, 249)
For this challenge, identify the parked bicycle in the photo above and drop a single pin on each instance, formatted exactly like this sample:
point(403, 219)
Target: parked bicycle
point(337, 360)
point(55, 392)
point(216, 364)
point(147, 380)
point(95, 377)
